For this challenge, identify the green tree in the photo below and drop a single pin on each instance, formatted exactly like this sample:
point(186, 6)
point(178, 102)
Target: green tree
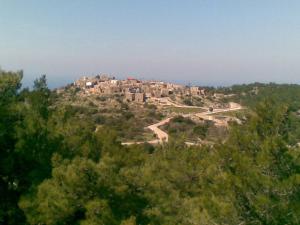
point(262, 170)
point(36, 141)
point(10, 84)
point(87, 190)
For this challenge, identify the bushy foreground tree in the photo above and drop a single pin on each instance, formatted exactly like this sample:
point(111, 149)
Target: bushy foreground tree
point(9, 86)
point(263, 170)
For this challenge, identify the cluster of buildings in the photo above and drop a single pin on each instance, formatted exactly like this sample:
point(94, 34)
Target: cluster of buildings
point(132, 89)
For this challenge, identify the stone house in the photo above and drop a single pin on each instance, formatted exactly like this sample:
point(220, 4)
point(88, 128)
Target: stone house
point(197, 91)
point(139, 97)
point(129, 96)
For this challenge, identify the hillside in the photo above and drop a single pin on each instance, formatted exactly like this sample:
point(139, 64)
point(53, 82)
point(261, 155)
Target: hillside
point(63, 159)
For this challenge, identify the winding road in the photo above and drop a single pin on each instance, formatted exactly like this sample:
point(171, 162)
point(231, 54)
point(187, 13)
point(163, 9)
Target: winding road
point(163, 137)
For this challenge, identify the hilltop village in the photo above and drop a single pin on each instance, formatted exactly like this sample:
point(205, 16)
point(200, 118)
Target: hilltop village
point(148, 111)
point(135, 90)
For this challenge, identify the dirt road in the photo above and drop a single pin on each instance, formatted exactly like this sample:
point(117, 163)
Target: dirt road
point(164, 137)
point(161, 135)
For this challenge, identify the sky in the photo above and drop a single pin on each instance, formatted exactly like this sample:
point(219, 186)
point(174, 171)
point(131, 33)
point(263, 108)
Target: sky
point(203, 42)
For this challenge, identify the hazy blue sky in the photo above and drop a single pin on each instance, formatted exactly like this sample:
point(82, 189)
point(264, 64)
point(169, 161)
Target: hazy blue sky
point(206, 42)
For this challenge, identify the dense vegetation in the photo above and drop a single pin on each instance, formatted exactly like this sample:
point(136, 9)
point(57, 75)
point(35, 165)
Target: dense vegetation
point(250, 94)
point(184, 128)
point(127, 119)
point(56, 168)
point(285, 94)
